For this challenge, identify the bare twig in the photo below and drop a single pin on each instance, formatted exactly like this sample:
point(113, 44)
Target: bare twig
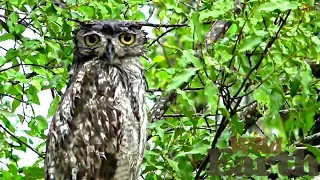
point(21, 100)
point(20, 141)
point(307, 139)
point(185, 89)
point(183, 115)
point(38, 65)
point(163, 34)
point(317, 146)
point(151, 13)
point(3, 48)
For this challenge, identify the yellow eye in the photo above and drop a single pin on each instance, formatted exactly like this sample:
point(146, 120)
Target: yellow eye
point(127, 39)
point(91, 40)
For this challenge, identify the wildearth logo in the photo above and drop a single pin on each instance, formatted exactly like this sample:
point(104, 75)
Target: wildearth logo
point(245, 166)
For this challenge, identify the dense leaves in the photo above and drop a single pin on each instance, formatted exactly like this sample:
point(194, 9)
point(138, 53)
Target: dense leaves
point(256, 73)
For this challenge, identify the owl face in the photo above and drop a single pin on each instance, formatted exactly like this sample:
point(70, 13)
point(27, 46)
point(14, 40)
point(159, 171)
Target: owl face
point(112, 41)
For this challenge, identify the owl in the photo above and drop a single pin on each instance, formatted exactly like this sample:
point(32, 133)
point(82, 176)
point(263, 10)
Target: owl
point(99, 129)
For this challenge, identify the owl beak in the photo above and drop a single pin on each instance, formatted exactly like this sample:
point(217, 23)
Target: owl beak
point(109, 52)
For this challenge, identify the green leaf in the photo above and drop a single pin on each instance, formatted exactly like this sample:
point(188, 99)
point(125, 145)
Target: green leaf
point(306, 80)
point(16, 90)
point(237, 124)
point(14, 2)
point(249, 43)
point(198, 150)
point(16, 103)
point(155, 124)
point(37, 83)
point(5, 120)
point(32, 173)
point(162, 14)
point(160, 132)
point(13, 169)
point(196, 26)
point(6, 36)
point(12, 21)
point(310, 2)
point(86, 10)
point(280, 5)
point(314, 150)
point(23, 139)
point(19, 29)
point(6, 175)
point(294, 85)
point(33, 95)
point(53, 106)
point(41, 59)
point(185, 97)
point(315, 22)
point(158, 59)
point(211, 92)
point(211, 14)
point(42, 123)
point(188, 57)
point(183, 76)
point(2, 60)
point(173, 164)
point(148, 153)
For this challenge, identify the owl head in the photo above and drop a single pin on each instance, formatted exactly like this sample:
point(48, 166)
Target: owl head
point(110, 40)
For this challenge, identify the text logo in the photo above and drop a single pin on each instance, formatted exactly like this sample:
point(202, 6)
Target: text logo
point(246, 166)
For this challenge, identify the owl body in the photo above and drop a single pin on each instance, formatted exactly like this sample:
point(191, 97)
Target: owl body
point(99, 129)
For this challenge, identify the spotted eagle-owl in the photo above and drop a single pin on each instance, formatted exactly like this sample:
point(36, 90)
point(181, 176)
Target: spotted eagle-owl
point(99, 130)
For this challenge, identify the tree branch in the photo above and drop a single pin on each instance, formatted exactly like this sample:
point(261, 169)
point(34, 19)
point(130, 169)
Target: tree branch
point(169, 25)
point(307, 139)
point(21, 100)
point(161, 106)
point(185, 89)
point(20, 141)
point(183, 115)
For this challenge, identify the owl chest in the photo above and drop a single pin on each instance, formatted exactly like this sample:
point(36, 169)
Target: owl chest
point(117, 101)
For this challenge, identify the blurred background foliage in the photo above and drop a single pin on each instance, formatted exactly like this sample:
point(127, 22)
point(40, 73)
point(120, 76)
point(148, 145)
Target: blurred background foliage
point(228, 68)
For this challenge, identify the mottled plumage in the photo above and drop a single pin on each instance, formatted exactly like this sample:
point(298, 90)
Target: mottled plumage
point(99, 130)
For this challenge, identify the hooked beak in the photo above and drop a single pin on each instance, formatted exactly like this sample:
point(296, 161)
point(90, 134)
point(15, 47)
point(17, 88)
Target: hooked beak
point(109, 52)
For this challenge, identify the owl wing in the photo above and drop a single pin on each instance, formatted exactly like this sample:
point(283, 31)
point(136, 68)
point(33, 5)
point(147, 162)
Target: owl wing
point(83, 137)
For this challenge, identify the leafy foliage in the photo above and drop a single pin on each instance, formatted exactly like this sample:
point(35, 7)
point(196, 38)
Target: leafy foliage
point(264, 67)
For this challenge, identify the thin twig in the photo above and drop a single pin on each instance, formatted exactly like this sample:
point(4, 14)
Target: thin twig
point(166, 25)
point(183, 115)
point(307, 139)
point(150, 15)
point(20, 141)
point(317, 146)
point(8, 95)
point(163, 34)
point(185, 89)
point(38, 65)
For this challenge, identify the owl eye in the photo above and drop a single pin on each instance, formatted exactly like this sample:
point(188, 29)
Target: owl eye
point(127, 39)
point(91, 39)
